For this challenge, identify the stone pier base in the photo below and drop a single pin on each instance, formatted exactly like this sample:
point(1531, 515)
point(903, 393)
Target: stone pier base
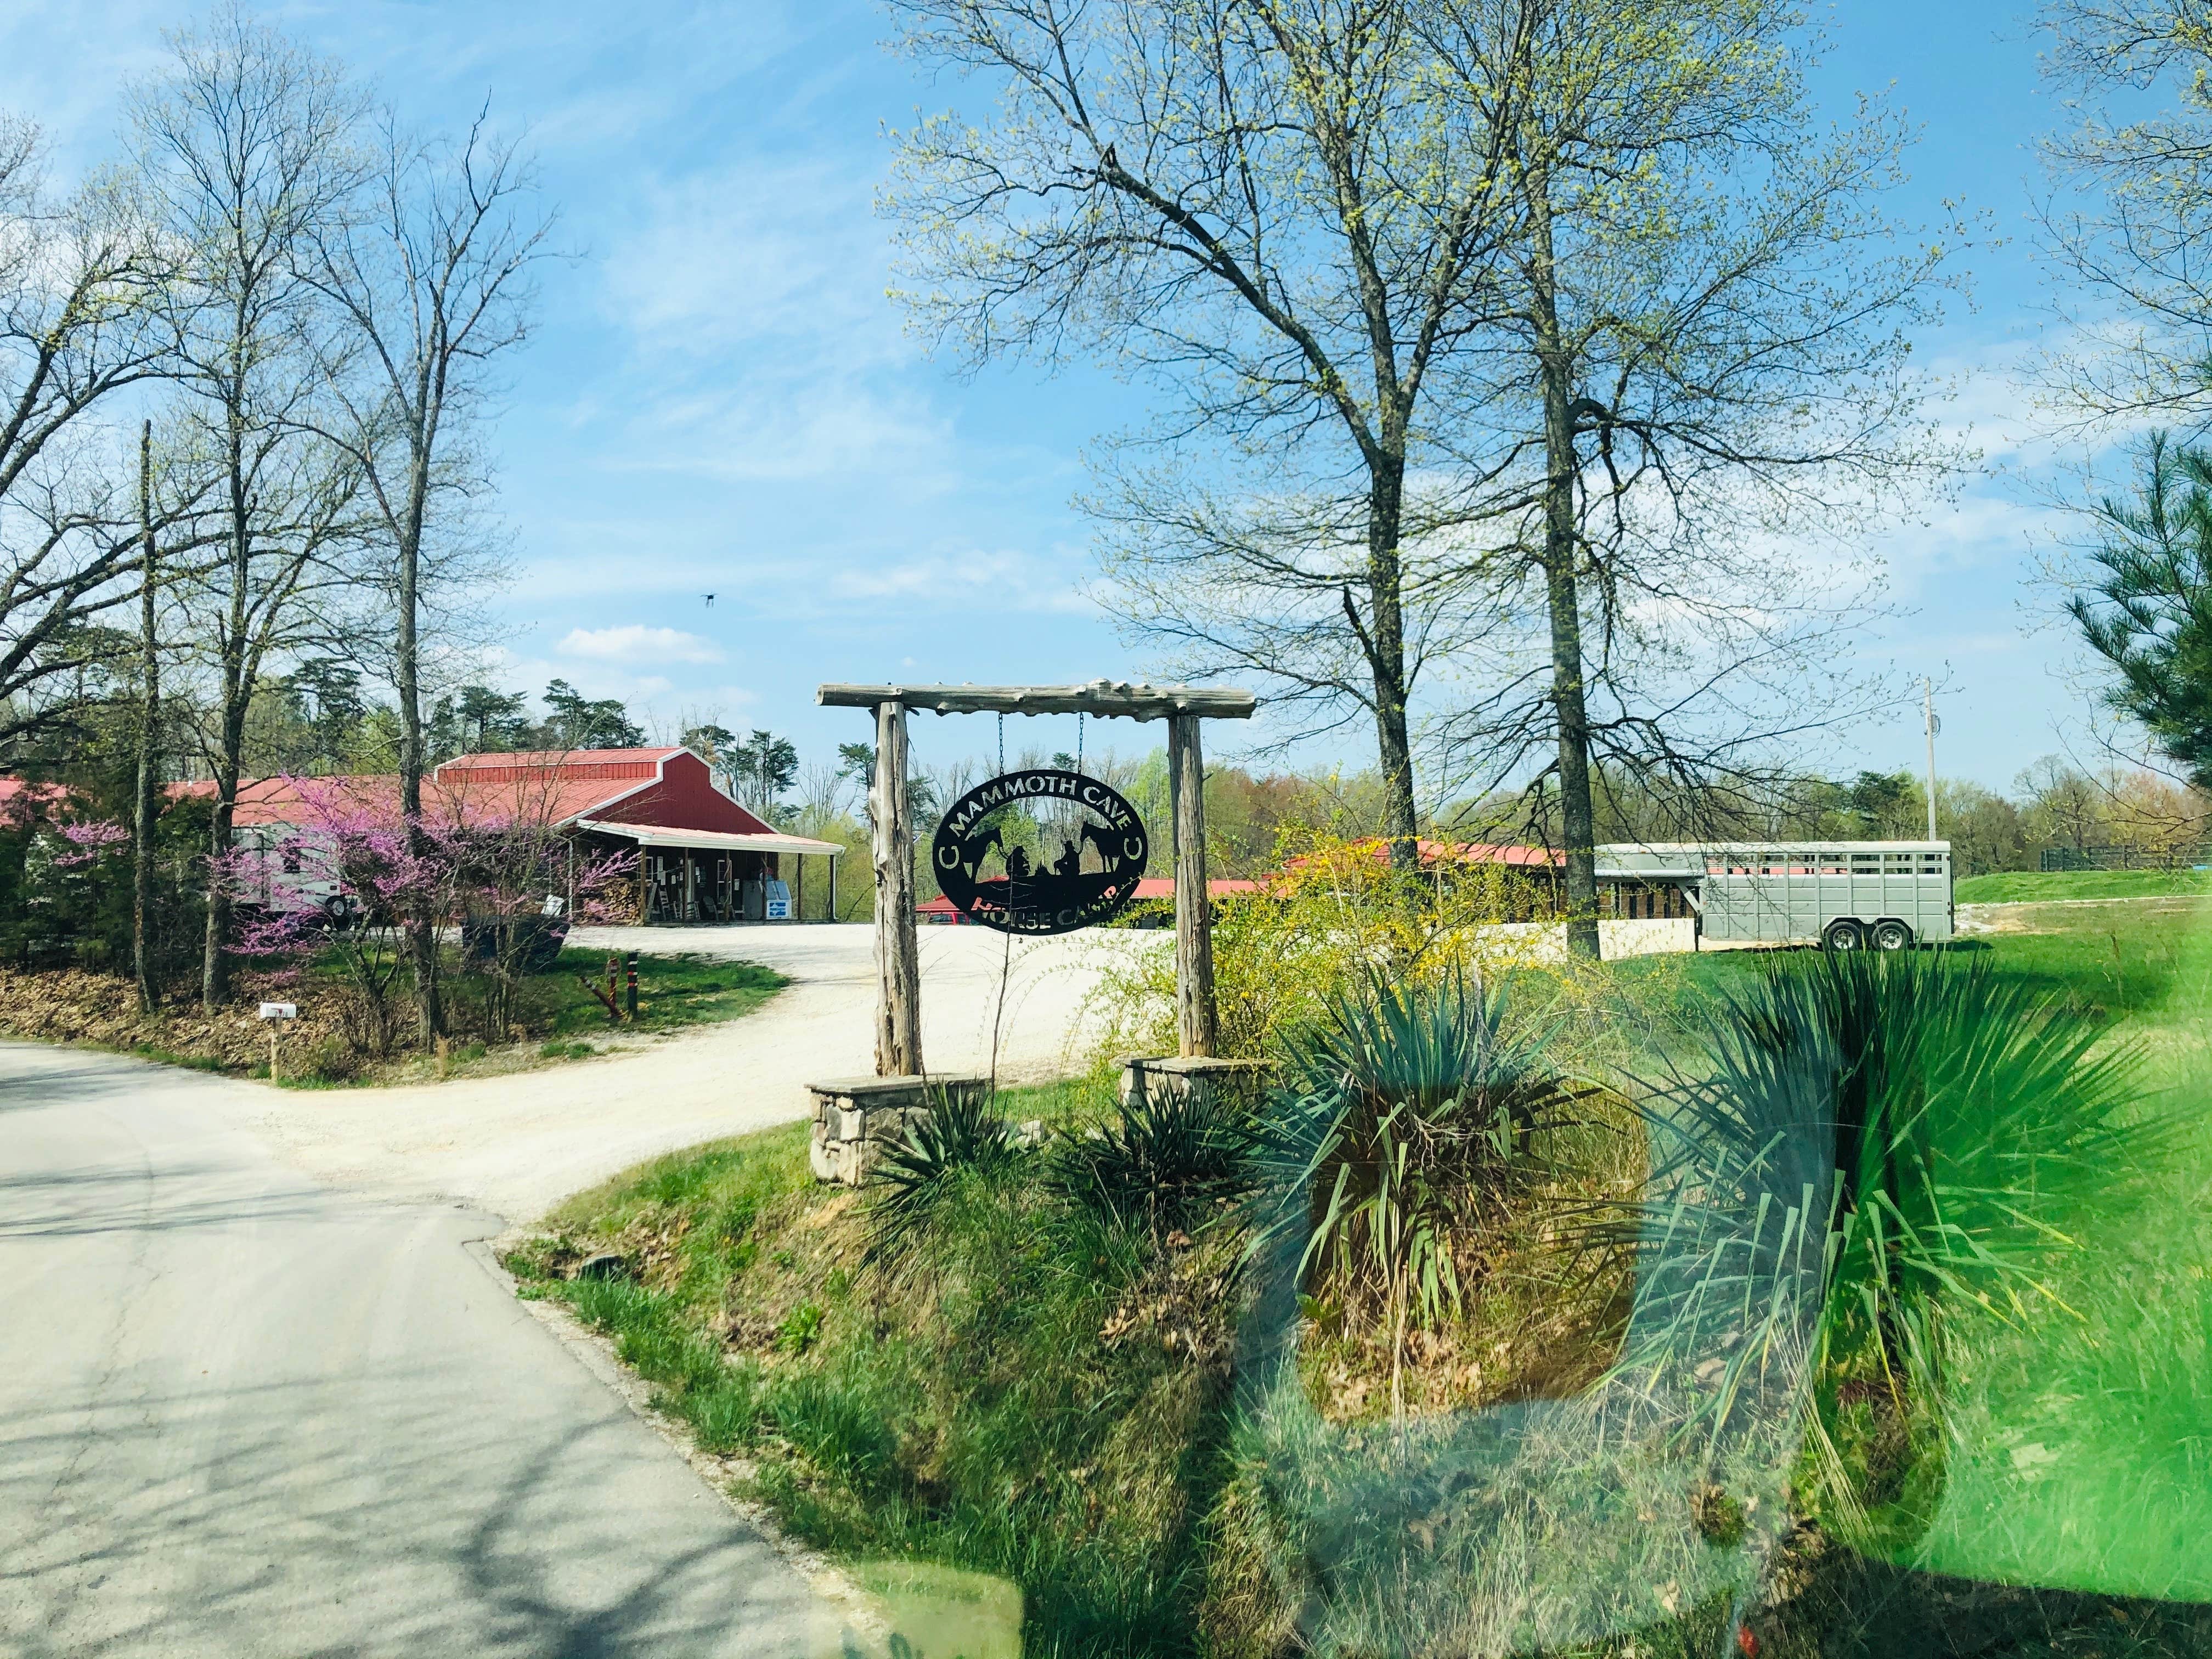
point(854, 1117)
point(1160, 1077)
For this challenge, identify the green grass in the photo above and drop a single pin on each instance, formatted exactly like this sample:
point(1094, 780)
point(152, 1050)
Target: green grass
point(673, 991)
point(2086, 1455)
point(2086, 1460)
point(2114, 961)
point(963, 1413)
point(2034, 887)
point(964, 1433)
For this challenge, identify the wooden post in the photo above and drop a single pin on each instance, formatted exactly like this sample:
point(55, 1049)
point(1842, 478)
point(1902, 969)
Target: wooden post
point(898, 951)
point(1195, 1020)
point(833, 887)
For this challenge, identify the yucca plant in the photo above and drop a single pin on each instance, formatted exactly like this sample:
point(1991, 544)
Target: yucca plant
point(912, 1174)
point(1406, 1115)
point(1864, 1139)
point(1167, 1158)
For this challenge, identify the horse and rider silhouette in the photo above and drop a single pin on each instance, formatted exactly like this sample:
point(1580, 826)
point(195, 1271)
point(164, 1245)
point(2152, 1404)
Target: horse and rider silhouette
point(973, 847)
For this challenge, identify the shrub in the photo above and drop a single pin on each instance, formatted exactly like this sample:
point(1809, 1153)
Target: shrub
point(1167, 1157)
point(960, 1132)
point(1859, 1138)
point(1406, 1114)
point(1333, 913)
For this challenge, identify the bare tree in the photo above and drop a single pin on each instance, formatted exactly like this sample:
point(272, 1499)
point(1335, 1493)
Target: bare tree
point(246, 141)
point(2128, 219)
point(1281, 214)
point(1693, 379)
point(1509, 339)
point(429, 282)
point(78, 324)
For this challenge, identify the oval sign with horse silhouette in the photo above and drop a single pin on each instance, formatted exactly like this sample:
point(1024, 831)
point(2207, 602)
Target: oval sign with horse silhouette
point(1040, 852)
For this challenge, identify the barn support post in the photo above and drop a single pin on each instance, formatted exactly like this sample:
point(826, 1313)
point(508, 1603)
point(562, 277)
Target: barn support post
point(898, 949)
point(1197, 1024)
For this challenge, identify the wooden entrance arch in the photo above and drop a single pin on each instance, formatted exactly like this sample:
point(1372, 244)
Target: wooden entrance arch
point(898, 963)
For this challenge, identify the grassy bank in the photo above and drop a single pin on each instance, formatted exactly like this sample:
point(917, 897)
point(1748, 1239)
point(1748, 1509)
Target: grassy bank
point(2086, 1449)
point(2034, 887)
point(1052, 1399)
point(1038, 1398)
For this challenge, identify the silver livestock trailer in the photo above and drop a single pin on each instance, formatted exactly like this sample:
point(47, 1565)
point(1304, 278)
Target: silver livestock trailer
point(1846, 894)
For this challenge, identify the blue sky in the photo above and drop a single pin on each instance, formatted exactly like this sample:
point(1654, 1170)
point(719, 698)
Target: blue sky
point(722, 398)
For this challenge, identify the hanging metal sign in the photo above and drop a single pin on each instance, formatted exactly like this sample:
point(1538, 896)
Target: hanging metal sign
point(1040, 852)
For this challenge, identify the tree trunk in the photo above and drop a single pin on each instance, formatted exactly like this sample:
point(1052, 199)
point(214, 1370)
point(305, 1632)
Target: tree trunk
point(1197, 1024)
point(214, 961)
point(1386, 658)
point(422, 926)
point(1578, 814)
point(149, 715)
point(237, 687)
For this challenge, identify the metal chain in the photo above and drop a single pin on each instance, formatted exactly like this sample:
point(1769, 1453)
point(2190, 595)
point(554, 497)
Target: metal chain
point(1079, 740)
point(1002, 744)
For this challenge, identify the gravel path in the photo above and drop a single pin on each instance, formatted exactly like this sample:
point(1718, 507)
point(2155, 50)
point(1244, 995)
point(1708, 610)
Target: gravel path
point(514, 1146)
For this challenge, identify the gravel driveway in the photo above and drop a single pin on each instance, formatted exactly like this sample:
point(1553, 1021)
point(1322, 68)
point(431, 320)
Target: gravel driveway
point(516, 1144)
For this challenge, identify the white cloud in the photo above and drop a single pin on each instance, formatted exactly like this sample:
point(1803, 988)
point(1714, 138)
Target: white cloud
point(759, 252)
point(792, 428)
point(978, 582)
point(635, 642)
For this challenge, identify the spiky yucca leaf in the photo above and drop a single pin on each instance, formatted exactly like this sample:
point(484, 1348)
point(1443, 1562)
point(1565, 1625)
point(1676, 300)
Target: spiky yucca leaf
point(1403, 1117)
point(1866, 1139)
point(963, 1131)
point(1167, 1157)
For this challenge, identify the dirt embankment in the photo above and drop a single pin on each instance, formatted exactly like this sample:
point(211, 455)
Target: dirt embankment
point(72, 1005)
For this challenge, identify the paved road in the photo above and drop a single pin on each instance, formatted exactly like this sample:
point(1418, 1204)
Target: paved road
point(243, 1414)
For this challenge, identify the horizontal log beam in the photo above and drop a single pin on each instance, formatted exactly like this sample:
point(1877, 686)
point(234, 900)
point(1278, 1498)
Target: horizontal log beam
point(1109, 698)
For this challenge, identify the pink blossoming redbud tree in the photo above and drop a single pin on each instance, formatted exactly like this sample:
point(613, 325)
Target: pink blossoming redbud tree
point(484, 875)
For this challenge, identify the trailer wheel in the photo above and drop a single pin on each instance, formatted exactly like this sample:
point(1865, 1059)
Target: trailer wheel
point(1892, 935)
point(1845, 935)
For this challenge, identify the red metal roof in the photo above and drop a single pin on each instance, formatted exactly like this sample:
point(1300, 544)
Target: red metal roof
point(1433, 852)
point(572, 763)
point(669, 788)
point(263, 802)
point(20, 798)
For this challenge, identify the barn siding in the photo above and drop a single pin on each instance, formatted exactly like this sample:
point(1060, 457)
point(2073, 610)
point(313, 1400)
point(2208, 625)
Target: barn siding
point(685, 798)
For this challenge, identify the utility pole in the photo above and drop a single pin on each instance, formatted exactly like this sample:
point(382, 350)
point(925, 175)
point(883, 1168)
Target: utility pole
point(149, 715)
point(1928, 709)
